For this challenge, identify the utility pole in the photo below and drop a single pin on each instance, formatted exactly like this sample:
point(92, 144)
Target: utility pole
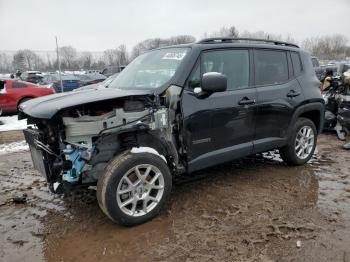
point(59, 64)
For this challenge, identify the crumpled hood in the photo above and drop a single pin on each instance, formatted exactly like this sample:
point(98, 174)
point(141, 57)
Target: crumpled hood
point(46, 107)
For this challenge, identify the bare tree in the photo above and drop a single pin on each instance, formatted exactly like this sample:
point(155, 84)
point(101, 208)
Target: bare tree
point(224, 32)
point(110, 56)
point(327, 47)
point(68, 55)
point(122, 55)
point(154, 43)
point(27, 60)
point(182, 39)
point(85, 60)
point(5, 63)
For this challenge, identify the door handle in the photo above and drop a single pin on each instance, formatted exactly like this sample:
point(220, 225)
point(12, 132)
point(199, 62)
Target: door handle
point(293, 93)
point(246, 101)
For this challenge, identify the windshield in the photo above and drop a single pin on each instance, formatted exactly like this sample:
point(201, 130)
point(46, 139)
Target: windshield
point(150, 70)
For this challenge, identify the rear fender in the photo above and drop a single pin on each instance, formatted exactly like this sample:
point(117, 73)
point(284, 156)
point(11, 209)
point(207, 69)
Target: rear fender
point(302, 110)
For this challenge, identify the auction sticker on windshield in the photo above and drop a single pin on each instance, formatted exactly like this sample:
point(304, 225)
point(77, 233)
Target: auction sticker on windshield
point(175, 55)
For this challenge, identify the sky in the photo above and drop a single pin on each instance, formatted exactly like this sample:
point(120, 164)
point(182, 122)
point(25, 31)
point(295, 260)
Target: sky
point(102, 24)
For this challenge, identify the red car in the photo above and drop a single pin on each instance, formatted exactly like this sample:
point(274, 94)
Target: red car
point(14, 92)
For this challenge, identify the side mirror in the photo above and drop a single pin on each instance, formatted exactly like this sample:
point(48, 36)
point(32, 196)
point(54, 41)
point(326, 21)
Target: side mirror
point(214, 82)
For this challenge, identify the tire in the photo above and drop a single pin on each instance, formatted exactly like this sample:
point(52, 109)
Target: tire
point(122, 185)
point(294, 152)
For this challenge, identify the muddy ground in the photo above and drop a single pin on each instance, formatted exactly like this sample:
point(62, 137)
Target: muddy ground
point(256, 209)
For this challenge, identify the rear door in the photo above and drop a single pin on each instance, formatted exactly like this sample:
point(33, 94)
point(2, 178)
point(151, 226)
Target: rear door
point(279, 93)
point(220, 127)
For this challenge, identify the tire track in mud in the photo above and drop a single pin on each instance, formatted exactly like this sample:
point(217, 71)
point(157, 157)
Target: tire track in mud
point(255, 209)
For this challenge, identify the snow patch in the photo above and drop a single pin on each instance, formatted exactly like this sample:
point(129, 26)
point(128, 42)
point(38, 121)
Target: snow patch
point(144, 149)
point(9, 123)
point(6, 76)
point(13, 147)
point(55, 186)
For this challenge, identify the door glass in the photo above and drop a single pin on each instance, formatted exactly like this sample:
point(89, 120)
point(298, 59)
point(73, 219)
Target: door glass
point(232, 63)
point(271, 67)
point(296, 63)
point(16, 84)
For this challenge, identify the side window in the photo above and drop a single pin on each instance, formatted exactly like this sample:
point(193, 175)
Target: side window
point(271, 67)
point(232, 63)
point(16, 84)
point(297, 66)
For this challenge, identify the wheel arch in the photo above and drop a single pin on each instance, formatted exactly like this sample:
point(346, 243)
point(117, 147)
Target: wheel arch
point(312, 111)
point(24, 98)
point(151, 139)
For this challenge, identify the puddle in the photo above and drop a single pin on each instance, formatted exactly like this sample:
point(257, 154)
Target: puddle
point(253, 209)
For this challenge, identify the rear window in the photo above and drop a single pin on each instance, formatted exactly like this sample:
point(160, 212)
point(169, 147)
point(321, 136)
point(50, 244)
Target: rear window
point(18, 85)
point(68, 77)
point(271, 67)
point(297, 66)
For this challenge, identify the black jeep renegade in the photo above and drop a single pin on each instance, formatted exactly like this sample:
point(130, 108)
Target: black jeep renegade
point(176, 110)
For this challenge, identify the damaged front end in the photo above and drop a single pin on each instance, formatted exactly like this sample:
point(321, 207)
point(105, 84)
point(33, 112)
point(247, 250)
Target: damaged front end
point(74, 146)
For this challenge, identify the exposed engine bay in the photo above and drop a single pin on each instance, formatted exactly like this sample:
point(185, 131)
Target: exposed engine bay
point(75, 145)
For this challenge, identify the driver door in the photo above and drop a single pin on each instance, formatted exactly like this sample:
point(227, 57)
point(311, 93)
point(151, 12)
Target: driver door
point(220, 127)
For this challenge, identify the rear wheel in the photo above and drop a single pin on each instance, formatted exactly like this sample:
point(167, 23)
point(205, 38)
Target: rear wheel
point(301, 144)
point(134, 188)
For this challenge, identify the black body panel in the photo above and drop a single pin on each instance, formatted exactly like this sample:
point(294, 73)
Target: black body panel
point(217, 128)
point(220, 126)
point(46, 107)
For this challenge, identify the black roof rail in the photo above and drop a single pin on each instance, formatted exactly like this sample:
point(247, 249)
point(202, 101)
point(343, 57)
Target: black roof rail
point(215, 40)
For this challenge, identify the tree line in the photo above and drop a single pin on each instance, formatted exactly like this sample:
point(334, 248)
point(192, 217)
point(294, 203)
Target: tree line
point(326, 47)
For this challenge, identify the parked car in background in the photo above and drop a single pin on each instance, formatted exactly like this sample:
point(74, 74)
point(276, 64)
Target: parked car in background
point(15, 92)
point(70, 82)
point(320, 71)
point(111, 70)
point(31, 76)
point(103, 84)
point(109, 80)
point(92, 71)
point(89, 79)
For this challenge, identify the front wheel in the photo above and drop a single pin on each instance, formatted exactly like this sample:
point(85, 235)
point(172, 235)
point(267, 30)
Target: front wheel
point(302, 143)
point(134, 188)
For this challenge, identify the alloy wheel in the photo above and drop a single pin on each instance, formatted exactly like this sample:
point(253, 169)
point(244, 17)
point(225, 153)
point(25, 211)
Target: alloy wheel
point(304, 142)
point(140, 190)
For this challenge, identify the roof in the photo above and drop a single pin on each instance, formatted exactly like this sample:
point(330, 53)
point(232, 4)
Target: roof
point(224, 42)
point(217, 40)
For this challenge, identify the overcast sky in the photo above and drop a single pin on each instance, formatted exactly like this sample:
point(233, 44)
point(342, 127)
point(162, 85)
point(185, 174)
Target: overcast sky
point(101, 24)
